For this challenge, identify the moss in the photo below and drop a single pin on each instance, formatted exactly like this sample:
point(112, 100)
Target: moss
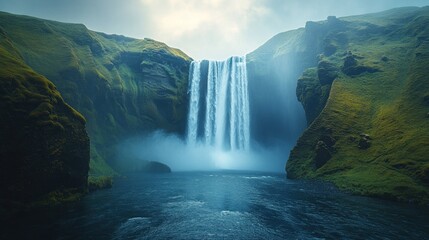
point(375, 111)
point(110, 79)
point(39, 137)
point(311, 93)
point(100, 182)
point(326, 72)
point(58, 197)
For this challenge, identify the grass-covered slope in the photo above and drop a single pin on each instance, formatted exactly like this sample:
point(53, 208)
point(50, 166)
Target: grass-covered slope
point(368, 104)
point(44, 147)
point(122, 86)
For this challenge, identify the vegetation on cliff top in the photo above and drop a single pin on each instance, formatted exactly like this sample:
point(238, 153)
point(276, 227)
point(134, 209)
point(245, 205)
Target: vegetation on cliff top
point(122, 86)
point(372, 137)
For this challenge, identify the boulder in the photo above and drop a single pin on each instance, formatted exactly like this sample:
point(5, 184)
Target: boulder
point(364, 141)
point(156, 167)
point(366, 136)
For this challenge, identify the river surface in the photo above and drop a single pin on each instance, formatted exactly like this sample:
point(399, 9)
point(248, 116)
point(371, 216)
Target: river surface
point(221, 205)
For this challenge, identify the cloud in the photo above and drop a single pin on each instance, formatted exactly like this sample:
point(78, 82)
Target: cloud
point(216, 23)
point(216, 29)
point(213, 29)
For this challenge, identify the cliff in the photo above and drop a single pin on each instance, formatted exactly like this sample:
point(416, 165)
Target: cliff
point(122, 86)
point(44, 147)
point(366, 103)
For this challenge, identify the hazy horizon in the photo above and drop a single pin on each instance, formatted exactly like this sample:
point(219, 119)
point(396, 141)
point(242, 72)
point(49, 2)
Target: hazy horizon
point(203, 29)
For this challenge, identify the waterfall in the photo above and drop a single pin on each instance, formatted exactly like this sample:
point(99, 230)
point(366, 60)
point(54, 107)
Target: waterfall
point(194, 81)
point(221, 117)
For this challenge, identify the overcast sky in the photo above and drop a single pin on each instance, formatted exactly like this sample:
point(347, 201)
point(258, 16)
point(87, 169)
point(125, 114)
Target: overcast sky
point(204, 29)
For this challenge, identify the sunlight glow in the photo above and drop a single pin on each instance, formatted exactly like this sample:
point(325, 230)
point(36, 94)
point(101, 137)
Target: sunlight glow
point(202, 21)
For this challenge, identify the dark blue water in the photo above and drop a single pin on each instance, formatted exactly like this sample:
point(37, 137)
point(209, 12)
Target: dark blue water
point(221, 205)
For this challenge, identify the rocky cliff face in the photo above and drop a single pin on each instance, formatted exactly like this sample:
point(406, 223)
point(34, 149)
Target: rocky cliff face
point(365, 104)
point(273, 70)
point(44, 146)
point(122, 86)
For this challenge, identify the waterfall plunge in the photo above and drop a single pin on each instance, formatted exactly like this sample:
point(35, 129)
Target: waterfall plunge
point(221, 117)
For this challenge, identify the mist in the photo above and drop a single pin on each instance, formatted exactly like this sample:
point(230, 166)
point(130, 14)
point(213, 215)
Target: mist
point(172, 150)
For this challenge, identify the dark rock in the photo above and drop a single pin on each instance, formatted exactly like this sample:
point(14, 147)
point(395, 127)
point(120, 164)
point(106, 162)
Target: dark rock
point(385, 59)
point(312, 94)
point(366, 136)
point(335, 24)
point(349, 61)
point(328, 140)
point(352, 68)
point(156, 167)
point(322, 154)
point(326, 72)
point(364, 141)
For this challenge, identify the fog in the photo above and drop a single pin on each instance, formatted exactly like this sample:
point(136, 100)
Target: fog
point(170, 149)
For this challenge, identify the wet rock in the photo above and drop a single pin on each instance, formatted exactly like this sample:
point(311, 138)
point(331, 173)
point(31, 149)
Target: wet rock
point(156, 167)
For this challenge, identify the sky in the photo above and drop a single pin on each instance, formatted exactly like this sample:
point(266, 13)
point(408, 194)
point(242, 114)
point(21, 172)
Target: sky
point(203, 29)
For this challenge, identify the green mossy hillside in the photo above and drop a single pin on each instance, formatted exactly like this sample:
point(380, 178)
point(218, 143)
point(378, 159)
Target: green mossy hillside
point(369, 131)
point(122, 86)
point(44, 147)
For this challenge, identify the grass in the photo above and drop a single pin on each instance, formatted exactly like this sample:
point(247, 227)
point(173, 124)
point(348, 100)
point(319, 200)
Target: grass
point(100, 182)
point(58, 197)
point(115, 82)
point(39, 134)
point(388, 105)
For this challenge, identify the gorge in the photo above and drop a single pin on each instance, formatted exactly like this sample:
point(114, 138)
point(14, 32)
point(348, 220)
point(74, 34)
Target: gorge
point(298, 133)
